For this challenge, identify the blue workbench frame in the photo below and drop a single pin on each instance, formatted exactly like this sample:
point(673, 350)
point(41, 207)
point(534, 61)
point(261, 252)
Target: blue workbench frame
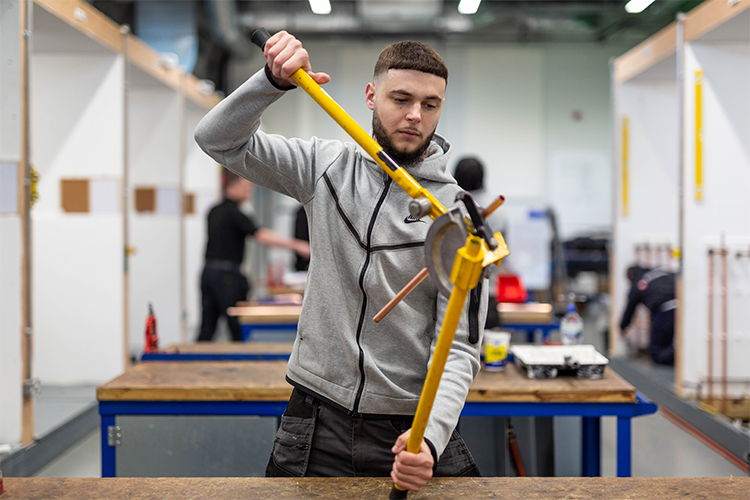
point(246, 329)
point(591, 414)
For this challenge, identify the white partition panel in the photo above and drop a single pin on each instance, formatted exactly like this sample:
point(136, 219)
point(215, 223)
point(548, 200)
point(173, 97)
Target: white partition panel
point(76, 119)
point(647, 111)
point(11, 239)
point(720, 217)
point(153, 151)
point(202, 180)
point(10, 329)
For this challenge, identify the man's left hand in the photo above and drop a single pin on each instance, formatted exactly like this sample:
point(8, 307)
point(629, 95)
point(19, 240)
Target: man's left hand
point(411, 470)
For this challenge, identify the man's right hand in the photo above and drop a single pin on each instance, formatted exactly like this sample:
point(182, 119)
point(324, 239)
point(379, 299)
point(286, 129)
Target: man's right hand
point(285, 55)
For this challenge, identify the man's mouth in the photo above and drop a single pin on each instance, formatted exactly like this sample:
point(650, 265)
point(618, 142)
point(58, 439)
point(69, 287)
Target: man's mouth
point(409, 133)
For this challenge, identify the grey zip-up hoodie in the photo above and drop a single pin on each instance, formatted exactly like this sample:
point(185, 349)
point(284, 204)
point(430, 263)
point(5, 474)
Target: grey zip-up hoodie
point(364, 249)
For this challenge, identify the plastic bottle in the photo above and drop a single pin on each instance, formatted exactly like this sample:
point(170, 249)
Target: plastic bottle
point(571, 326)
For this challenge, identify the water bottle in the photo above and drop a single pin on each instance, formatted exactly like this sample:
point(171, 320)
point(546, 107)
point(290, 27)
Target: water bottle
point(571, 326)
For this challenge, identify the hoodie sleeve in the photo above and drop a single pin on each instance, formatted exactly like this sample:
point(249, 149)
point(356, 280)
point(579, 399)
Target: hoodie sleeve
point(461, 368)
point(230, 134)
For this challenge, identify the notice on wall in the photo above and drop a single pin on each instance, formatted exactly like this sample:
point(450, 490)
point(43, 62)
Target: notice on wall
point(168, 201)
point(105, 196)
point(8, 187)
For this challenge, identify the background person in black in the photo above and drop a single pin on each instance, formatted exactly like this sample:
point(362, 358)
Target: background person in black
point(654, 288)
point(222, 283)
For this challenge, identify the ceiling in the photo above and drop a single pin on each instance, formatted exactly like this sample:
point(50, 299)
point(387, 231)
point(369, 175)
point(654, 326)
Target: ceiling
point(509, 21)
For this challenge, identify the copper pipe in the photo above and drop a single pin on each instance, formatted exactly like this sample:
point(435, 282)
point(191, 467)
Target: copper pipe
point(638, 256)
point(411, 285)
point(724, 332)
point(710, 347)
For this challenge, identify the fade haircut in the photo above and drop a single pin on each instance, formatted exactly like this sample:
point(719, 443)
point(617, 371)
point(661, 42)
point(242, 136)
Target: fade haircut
point(411, 54)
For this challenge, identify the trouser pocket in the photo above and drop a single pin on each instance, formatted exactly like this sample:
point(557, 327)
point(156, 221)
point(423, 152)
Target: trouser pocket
point(292, 444)
point(456, 460)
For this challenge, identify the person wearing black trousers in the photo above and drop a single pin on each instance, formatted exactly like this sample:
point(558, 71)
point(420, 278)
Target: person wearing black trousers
point(222, 283)
point(654, 288)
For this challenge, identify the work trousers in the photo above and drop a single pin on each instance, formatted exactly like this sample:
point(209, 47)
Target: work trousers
point(222, 286)
point(661, 345)
point(316, 439)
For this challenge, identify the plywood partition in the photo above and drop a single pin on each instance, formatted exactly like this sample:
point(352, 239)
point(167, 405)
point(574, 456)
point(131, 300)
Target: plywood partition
point(154, 168)
point(646, 176)
point(76, 95)
point(717, 153)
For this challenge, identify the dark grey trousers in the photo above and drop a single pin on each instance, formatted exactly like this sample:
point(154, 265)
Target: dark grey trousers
point(316, 439)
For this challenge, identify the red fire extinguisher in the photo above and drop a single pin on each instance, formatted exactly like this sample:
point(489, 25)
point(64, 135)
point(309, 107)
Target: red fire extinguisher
point(152, 338)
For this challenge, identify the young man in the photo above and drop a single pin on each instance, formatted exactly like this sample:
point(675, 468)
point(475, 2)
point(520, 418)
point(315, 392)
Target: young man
point(222, 283)
point(357, 383)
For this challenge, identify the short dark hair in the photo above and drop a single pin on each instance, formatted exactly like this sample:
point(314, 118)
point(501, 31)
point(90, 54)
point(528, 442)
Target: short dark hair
point(411, 54)
point(469, 174)
point(228, 178)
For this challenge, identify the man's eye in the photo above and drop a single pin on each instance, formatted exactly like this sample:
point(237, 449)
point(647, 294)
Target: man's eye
point(430, 106)
point(399, 100)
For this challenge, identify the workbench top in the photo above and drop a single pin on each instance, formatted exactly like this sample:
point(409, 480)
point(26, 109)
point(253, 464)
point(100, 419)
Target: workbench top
point(266, 313)
point(265, 381)
point(377, 488)
point(230, 348)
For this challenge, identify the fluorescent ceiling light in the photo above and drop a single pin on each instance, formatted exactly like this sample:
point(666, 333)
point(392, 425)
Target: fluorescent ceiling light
point(636, 6)
point(323, 6)
point(470, 6)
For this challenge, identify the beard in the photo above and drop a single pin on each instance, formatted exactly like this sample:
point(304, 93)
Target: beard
point(403, 159)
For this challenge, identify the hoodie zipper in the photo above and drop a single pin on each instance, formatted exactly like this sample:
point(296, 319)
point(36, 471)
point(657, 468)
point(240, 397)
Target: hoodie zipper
point(355, 409)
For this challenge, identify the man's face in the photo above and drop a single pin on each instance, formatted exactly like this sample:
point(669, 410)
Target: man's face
point(406, 107)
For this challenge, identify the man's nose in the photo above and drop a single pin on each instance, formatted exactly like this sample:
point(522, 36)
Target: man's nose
point(414, 114)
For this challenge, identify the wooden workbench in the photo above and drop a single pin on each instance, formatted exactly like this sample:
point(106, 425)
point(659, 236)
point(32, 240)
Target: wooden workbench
point(377, 488)
point(230, 348)
point(264, 314)
point(264, 381)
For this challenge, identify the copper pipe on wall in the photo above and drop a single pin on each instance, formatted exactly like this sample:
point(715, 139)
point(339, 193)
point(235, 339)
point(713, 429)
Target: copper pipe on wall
point(638, 254)
point(724, 330)
point(710, 346)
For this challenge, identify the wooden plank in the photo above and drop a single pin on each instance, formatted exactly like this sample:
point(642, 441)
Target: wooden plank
point(86, 19)
point(711, 14)
point(646, 54)
point(231, 348)
point(528, 312)
point(512, 385)
point(193, 93)
point(266, 314)
point(151, 62)
point(200, 381)
point(538, 488)
point(265, 381)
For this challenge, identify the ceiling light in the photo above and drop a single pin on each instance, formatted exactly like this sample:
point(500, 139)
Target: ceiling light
point(636, 6)
point(471, 6)
point(323, 6)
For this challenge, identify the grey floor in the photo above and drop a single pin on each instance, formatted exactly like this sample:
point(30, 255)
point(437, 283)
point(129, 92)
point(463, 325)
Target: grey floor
point(660, 448)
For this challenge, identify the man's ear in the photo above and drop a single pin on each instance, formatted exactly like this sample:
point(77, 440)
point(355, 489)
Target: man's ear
point(370, 96)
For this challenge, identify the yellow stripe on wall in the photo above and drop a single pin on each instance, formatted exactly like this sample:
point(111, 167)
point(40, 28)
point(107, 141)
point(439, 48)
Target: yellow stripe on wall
point(699, 135)
point(625, 159)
